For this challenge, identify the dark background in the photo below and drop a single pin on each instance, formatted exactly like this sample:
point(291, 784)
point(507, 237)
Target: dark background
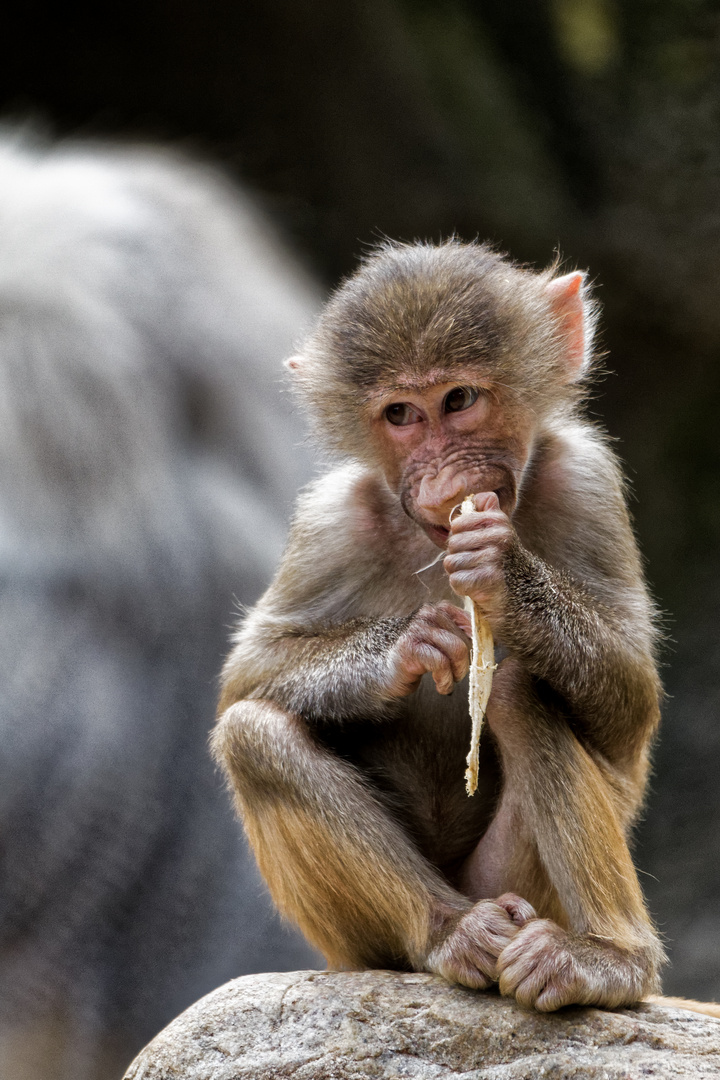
point(586, 126)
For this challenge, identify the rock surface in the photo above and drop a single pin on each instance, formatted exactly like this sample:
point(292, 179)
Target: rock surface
point(316, 1025)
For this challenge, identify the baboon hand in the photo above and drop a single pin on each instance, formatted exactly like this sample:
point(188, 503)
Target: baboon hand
point(546, 967)
point(468, 954)
point(477, 550)
point(436, 641)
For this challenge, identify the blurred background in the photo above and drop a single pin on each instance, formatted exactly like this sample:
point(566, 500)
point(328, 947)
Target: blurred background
point(148, 458)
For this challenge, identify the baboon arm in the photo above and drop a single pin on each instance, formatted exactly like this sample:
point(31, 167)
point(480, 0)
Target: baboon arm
point(578, 615)
point(584, 654)
point(319, 641)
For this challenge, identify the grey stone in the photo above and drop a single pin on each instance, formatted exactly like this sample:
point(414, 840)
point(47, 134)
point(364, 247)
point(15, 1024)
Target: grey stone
point(316, 1025)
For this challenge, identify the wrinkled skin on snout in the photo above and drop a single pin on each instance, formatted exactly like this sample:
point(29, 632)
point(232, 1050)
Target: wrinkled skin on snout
point(440, 443)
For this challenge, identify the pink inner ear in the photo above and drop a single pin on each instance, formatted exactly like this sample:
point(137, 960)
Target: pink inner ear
point(566, 301)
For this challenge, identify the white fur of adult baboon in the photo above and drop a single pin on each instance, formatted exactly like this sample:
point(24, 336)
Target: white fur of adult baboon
point(148, 462)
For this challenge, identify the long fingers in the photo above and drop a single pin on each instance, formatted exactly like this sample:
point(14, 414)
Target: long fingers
point(435, 642)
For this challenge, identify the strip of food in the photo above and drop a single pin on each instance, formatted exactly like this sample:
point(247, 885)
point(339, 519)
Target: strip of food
point(482, 665)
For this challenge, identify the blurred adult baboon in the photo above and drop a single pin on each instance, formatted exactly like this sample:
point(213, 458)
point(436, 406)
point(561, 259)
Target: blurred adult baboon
point(147, 460)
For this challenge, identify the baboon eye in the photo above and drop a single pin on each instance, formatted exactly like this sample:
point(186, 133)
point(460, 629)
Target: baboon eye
point(401, 414)
point(462, 397)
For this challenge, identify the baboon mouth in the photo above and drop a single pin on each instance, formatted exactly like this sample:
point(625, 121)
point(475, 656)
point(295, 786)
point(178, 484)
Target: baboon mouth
point(437, 533)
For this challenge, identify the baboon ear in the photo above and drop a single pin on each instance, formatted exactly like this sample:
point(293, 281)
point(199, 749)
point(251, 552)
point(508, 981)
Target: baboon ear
point(569, 306)
point(294, 363)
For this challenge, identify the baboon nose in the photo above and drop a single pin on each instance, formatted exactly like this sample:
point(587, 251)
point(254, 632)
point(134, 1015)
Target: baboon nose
point(438, 495)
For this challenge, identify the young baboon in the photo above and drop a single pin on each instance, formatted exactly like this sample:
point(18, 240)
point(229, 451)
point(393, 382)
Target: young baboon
point(439, 372)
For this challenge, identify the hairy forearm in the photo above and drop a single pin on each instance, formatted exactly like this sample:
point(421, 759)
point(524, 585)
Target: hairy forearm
point(326, 674)
point(602, 670)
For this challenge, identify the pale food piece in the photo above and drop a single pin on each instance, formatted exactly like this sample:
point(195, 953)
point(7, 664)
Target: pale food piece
point(482, 665)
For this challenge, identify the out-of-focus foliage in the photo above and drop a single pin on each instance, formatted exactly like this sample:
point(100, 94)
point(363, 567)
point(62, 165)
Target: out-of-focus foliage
point(588, 125)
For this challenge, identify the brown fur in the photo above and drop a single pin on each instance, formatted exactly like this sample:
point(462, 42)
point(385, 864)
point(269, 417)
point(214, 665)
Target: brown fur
point(707, 1008)
point(350, 788)
point(417, 308)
